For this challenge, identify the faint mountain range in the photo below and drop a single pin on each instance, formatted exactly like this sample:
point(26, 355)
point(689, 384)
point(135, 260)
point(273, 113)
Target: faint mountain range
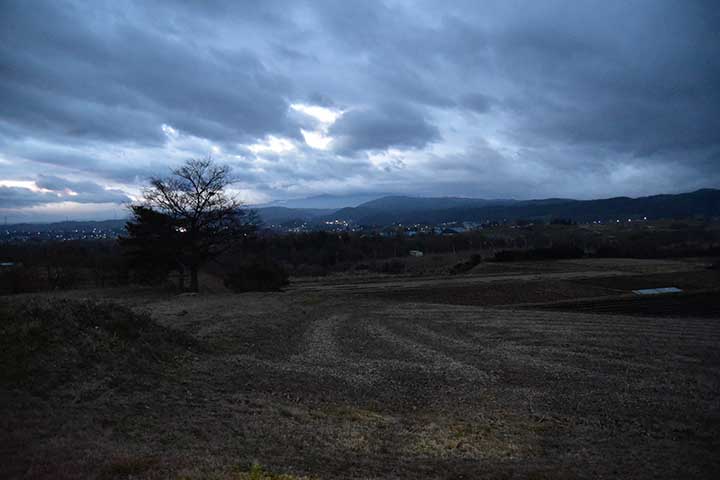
point(393, 209)
point(408, 210)
point(301, 210)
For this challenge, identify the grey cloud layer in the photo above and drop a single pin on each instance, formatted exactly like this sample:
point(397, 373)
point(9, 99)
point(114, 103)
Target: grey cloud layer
point(55, 190)
point(604, 95)
point(387, 126)
point(110, 78)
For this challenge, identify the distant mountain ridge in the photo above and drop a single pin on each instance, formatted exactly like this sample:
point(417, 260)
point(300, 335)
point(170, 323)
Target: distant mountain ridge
point(392, 209)
point(389, 210)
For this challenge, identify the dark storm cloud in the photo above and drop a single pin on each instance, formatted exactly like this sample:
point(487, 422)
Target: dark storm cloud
point(391, 125)
point(640, 80)
point(109, 78)
point(477, 102)
point(18, 197)
point(611, 97)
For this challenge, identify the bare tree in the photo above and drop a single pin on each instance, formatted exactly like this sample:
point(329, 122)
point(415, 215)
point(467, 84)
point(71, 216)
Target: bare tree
point(205, 219)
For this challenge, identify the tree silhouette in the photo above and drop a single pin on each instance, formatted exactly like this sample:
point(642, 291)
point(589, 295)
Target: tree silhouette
point(153, 245)
point(187, 218)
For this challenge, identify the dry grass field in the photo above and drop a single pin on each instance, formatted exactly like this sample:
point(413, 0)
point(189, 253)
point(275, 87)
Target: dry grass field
point(514, 373)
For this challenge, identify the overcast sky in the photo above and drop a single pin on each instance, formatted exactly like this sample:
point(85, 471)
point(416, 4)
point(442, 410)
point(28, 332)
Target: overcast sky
point(523, 99)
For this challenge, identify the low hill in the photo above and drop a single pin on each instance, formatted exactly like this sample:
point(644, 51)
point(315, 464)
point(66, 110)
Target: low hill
point(51, 344)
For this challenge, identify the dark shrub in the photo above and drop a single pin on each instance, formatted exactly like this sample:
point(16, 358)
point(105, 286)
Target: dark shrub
point(21, 280)
point(259, 276)
point(309, 270)
point(556, 252)
point(510, 255)
point(393, 267)
point(466, 266)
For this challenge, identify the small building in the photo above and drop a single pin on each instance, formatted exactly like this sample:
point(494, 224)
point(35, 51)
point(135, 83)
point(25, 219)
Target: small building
point(416, 253)
point(657, 291)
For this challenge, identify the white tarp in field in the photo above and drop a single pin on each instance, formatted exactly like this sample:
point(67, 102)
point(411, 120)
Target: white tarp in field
point(657, 291)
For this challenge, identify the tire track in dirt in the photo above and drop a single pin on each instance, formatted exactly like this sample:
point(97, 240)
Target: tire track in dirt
point(320, 345)
point(321, 355)
point(430, 358)
point(567, 344)
point(412, 352)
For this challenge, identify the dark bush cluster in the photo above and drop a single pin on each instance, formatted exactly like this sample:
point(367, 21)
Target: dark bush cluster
point(62, 265)
point(466, 266)
point(83, 264)
point(321, 253)
point(257, 276)
point(393, 267)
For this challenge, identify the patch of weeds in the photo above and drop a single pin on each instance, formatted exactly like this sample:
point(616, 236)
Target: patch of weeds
point(465, 440)
point(313, 299)
point(256, 472)
point(124, 467)
point(356, 429)
point(355, 414)
point(290, 411)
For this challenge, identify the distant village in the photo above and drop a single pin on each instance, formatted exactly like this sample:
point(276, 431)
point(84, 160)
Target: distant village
point(73, 231)
point(444, 228)
point(49, 233)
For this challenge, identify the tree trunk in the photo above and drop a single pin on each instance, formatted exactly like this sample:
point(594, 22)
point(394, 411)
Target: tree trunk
point(181, 278)
point(194, 278)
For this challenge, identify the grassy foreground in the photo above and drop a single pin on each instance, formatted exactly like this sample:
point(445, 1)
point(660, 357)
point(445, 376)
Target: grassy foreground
point(341, 380)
